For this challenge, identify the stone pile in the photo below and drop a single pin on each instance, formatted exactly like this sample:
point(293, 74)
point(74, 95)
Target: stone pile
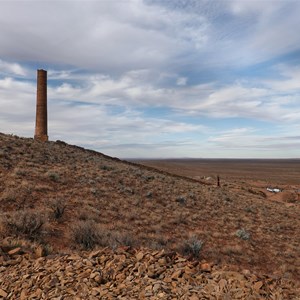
point(130, 274)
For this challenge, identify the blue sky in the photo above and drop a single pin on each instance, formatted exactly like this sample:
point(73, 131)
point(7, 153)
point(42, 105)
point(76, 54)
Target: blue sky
point(156, 78)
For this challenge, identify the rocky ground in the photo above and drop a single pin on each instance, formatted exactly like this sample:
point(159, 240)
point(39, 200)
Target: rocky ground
point(131, 274)
point(159, 235)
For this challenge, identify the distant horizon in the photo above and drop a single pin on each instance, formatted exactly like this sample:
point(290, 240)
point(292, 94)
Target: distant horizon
point(165, 158)
point(207, 158)
point(153, 78)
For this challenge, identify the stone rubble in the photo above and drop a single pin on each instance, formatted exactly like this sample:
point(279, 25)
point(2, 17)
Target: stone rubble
point(127, 273)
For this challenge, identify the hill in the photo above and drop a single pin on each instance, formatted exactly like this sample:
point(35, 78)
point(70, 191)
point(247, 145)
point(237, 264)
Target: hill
point(63, 200)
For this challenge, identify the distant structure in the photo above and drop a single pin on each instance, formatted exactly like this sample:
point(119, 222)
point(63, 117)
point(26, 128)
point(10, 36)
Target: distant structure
point(41, 121)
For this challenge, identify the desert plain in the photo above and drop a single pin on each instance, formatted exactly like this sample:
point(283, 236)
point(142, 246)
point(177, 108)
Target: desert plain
point(256, 174)
point(78, 224)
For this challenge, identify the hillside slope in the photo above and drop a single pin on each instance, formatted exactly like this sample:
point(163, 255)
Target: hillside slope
point(72, 193)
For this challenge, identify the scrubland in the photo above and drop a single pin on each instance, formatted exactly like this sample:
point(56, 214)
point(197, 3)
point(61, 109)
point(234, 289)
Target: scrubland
point(133, 227)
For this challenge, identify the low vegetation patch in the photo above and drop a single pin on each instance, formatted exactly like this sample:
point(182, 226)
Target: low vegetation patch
point(53, 176)
point(26, 222)
point(87, 234)
point(58, 207)
point(243, 234)
point(192, 247)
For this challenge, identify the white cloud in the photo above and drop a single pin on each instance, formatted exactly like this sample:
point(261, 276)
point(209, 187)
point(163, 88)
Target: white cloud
point(142, 90)
point(256, 7)
point(12, 68)
point(84, 123)
point(99, 35)
point(289, 81)
point(254, 143)
point(181, 81)
point(154, 67)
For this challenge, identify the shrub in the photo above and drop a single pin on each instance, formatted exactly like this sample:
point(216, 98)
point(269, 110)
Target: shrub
point(125, 239)
point(249, 209)
point(192, 247)
point(149, 194)
point(58, 207)
point(53, 176)
point(9, 194)
point(106, 168)
point(148, 178)
point(242, 234)
point(180, 218)
point(160, 243)
point(181, 200)
point(86, 234)
point(26, 222)
point(83, 216)
point(20, 172)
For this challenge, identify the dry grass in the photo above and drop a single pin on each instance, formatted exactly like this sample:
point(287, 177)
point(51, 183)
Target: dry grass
point(26, 223)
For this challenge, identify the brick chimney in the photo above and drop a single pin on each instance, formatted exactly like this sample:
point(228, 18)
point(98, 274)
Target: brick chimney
point(41, 122)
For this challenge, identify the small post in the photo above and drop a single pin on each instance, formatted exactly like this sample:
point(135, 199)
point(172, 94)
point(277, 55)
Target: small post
point(218, 181)
point(41, 121)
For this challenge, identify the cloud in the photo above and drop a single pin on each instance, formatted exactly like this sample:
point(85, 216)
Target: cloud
point(118, 36)
point(289, 80)
point(89, 123)
point(181, 81)
point(110, 35)
point(11, 68)
point(253, 143)
point(141, 90)
point(172, 72)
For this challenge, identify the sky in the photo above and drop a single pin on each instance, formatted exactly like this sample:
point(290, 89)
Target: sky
point(156, 78)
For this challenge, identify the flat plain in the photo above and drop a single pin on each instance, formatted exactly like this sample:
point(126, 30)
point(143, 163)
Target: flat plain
point(257, 174)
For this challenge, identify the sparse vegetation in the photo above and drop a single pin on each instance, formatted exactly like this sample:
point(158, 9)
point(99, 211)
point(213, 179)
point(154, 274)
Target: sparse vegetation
point(149, 194)
point(9, 194)
point(20, 172)
point(180, 219)
point(53, 176)
point(243, 234)
point(192, 247)
point(181, 200)
point(125, 239)
point(106, 168)
point(249, 209)
point(58, 207)
point(26, 222)
point(86, 234)
point(116, 206)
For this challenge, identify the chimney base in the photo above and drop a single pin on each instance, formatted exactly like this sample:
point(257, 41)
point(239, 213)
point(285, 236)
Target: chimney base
point(41, 138)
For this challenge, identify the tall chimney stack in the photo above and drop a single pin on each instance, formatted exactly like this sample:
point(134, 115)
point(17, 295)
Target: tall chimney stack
point(41, 122)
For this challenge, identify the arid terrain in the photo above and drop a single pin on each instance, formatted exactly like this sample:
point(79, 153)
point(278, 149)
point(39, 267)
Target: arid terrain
point(77, 224)
point(254, 174)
